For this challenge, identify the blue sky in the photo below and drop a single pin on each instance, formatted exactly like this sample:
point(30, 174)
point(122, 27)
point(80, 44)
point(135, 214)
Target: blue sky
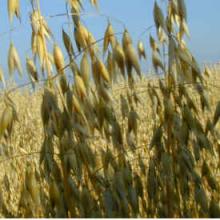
point(203, 20)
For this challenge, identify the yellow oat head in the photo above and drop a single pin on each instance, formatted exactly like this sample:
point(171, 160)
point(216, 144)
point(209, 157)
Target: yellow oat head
point(132, 59)
point(154, 45)
point(157, 62)
point(40, 48)
point(182, 10)
point(207, 72)
point(158, 16)
point(39, 24)
point(76, 5)
point(32, 185)
point(119, 57)
point(111, 65)
point(81, 36)
point(102, 70)
point(85, 69)
point(58, 59)
point(141, 50)
point(80, 86)
point(31, 69)
point(126, 39)
point(13, 9)
point(94, 2)
point(92, 44)
point(14, 62)
point(6, 119)
point(2, 78)
point(67, 43)
point(76, 105)
point(109, 38)
point(217, 114)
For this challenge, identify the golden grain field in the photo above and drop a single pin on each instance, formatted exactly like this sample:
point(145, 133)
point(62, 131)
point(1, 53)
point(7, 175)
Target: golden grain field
point(24, 146)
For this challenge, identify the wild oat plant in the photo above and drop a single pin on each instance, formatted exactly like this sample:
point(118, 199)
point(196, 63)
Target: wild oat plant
point(111, 142)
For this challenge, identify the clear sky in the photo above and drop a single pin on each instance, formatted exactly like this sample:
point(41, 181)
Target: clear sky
point(203, 20)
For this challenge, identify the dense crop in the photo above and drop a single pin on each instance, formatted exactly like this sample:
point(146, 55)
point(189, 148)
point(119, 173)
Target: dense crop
point(95, 147)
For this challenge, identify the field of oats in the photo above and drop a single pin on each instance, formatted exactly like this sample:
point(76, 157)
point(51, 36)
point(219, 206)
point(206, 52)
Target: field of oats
point(21, 152)
point(112, 142)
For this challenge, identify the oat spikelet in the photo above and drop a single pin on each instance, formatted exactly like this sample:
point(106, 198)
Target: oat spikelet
point(92, 45)
point(126, 40)
point(111, 65)
point(67, 43)
point(32, 185)
point(109, 38)
point(14, 62)
point(85, 69)
point(119, 57)
point(80, 86)
point(132, 59)
point(182, 10)
point(40, 48)
point(13, 9)
point(102, 70)
point(158, 16)
point(94, 3)
point(154, 45)
point(141, 50)
point(157, 62)
point(6, 119)
point(34, 43)
point(58, 59)
point(76, 105)
point(39, 24)
point(81, 36)
point(31, 69)
point(217, 114)
point(75, 5)
point(2, 78)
